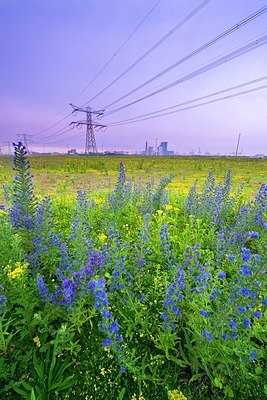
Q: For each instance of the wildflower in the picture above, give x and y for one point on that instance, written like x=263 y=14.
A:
x=252 y=356
x=114 y=327
x=225 y=336
x=102 y=237
x=257 y=314
x=246 y=255
x=221 y=274
x=43 y=290
x=254 y=235
x=234 y=335
x=241 y=309
x=232 y=324
x=205 y=314
x=168 y=207
x=159 y=212
x=106 y=314
x=207 y=335
x=18 y=271
x=3 y=300
x=245 y=292
x=175 y=395
x=245 y=270
x=107 y=342
x=246 y=323
x=23 y=208
x=37 y=341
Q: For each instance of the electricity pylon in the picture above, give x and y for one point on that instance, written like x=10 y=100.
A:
x=26 y=140
x=90 y=142
x=8 y=144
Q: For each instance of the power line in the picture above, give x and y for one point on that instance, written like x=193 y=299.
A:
x=165 y=37
x=52 y=126
x=195 y=52
x=167 y=81
x=197 y=105
x=118 y=50
x=101 y=70
x=222 y=60
x=191 y=101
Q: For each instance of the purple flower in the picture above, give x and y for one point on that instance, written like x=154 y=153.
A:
x=207 y=335
x=257 y=314
x=246 y=255
x=254 y=234
x=106 y=314
x=225 y=336
x=232 y=324
x=107 y=342
x=3 y=300
x=114 y=327
x=205 y=314
x=45 y=295
x=245 y=270
x=252 y=356
x=234 y=335
x=245 y=292
x=246 y=323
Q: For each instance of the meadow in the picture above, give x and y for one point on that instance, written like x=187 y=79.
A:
x=133 y=277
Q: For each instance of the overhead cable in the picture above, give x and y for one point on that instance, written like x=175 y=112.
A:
x=143 y=56
x=222 y=60
x=100 y=71
x=191 y=101
x=118 y=50
x=195 y=52
x=196 y=105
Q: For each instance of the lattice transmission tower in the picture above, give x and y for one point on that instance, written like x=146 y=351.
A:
x=26 y=139
x=90 y=142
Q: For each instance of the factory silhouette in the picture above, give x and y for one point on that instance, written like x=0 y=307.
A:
x=161 y=150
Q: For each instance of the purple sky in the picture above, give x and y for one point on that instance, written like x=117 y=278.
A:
x=51 y=50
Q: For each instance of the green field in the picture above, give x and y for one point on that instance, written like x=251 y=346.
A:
x=66 y=174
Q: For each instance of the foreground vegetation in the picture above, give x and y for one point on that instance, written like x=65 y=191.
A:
x=137 y=293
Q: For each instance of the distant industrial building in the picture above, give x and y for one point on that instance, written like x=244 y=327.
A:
x=72 y=152
x=161 y=150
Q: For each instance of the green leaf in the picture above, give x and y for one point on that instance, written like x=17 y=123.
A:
x=121 y=394
x=33 y=395
x=218 y=383
x=22 y=392
x=258 y=370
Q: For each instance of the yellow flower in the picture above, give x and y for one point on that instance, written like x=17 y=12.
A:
x=102 y=237
x=103 y=371
x=159 y=212
x=139 y=398
x=175 y=395
x=169 y=207
x=18 y=271
x=37 y=341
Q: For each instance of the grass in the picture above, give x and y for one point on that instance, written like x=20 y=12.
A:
x=64 y=175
